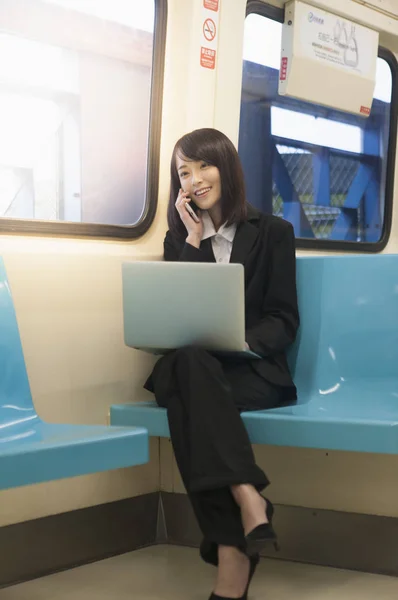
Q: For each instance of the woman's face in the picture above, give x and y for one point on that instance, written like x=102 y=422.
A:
x=200 y=180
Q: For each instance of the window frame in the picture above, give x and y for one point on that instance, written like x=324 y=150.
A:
x=102 y=230
x=277 y=14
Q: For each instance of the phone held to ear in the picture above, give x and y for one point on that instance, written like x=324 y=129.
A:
x=192 y=212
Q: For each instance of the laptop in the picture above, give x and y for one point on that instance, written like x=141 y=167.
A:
x=169 y=305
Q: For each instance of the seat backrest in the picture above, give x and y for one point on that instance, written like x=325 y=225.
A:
x=15 y=397
x=349 y=322
x=349 y=330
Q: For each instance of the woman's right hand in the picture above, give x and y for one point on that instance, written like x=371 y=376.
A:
x=194 y=230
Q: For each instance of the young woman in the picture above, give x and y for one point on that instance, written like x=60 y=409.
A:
x=204 y=395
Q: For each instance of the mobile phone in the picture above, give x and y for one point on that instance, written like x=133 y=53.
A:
x=192 y=212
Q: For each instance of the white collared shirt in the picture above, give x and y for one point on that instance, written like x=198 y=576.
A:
x=221 y=240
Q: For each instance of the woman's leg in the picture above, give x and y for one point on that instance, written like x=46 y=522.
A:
x=213 y=452
x=250 y=392
x=210 y=441
x=203 y=398
x=232 y=573
x=212 y=449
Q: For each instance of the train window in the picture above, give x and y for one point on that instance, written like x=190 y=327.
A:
x=328 y=172
x=80 y=93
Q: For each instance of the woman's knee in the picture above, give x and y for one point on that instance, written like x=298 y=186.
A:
x=191 y=361
x=190 y=352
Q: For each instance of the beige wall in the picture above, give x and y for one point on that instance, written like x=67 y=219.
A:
x=341 y=481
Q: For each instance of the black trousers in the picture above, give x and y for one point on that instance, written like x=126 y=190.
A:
x=204 y=397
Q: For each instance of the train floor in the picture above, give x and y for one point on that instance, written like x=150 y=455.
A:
x=176 y=573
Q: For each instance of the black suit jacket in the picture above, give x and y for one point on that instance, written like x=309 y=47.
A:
x=265 y=245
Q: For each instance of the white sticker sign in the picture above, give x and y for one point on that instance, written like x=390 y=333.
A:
x=327 y=59
x=332 y=39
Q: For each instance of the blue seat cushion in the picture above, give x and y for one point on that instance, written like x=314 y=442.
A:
x=34 y=451
x=360 y=428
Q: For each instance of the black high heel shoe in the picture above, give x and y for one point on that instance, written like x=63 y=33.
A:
x=262 y=535
x=254 y=560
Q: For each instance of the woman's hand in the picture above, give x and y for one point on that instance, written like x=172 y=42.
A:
x=194 y=230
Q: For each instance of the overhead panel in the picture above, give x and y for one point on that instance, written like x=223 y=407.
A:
x=327 y=59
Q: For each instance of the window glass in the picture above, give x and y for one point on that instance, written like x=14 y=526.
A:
x=322 y=169
x=75 y=92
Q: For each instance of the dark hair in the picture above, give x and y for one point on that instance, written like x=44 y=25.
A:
x=213 y=147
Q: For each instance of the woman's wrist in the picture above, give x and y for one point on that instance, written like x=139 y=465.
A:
x=194 y=239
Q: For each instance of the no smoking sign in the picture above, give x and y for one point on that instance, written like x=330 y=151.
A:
x=209 y=30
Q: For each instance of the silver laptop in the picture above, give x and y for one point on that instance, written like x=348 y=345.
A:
x=168 y=305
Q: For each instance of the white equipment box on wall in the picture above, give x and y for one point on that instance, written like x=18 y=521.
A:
x=327 y=60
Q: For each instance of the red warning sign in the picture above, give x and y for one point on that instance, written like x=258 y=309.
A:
x=208 y=58
x=209 y=30
x=211 y=4
x=365 y=110
x=283 y=73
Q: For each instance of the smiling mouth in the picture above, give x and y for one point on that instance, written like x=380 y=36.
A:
x=203 y=192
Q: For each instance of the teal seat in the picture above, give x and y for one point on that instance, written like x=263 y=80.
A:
x=344 y=363
x=32 y=451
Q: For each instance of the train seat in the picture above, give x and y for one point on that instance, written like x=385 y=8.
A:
x=344 y=363
x=32 y=451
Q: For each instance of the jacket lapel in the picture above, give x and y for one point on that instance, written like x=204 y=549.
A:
x=207 y=249
x=245 y=236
